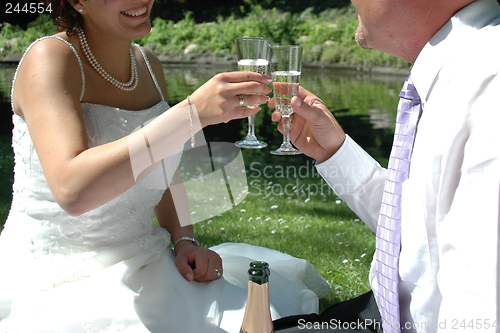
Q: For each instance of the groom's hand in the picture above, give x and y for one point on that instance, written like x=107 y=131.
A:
x=314 y=130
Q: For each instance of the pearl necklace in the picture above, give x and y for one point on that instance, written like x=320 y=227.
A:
x=127 y=86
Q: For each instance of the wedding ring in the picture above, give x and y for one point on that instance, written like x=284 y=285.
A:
x=218 y=270
x=242 y=101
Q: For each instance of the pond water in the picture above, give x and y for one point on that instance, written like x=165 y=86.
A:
x=365 y=106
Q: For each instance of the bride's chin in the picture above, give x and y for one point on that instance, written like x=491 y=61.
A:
x=142 y=31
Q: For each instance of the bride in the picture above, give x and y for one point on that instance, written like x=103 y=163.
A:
x=80 y=251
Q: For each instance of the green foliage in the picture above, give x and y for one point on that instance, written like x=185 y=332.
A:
x=14 y=40
x=327 y=37
x=175 y=9
x=272 y=3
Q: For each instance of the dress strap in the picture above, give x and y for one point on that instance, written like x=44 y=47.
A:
x=26 y=52
x=151 y=71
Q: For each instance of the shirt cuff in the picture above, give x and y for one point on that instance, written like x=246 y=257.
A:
x=348 y=169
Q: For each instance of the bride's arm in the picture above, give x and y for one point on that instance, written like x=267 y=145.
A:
x=172 y=213
x=47 y=94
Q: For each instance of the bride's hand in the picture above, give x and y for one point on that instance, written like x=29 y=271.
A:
x=218 y=99
x=198 y=263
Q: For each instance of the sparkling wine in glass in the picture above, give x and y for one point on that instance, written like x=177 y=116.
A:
x=286 y=66
x=253 y=56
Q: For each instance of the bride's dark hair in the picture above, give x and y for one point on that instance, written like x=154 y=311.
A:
x=64 y=15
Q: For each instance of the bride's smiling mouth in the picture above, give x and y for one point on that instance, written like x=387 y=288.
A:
x=136 y=11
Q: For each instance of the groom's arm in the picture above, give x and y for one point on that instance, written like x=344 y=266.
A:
x=357 y=179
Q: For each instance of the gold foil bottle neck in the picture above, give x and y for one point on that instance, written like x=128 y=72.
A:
x=257 y=317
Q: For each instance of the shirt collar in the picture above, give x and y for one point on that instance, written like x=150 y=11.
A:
x=445 y=42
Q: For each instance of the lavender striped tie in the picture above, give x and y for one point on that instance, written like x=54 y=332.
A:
x=389 y=224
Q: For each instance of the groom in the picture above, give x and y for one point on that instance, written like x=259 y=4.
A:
x=436 y=209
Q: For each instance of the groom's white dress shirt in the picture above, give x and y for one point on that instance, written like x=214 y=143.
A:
x=450 y=265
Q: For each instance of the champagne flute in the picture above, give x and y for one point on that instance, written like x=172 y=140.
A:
x=286 y=66
x=253 y=56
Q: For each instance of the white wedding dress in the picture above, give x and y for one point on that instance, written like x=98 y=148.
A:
x=111 y=269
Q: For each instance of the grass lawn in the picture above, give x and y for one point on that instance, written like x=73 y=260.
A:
x=300 y=216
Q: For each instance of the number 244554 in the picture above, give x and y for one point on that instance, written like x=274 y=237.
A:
x=32 y=8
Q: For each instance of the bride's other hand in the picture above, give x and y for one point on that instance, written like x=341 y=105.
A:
x=218 y=100
x=198 y=263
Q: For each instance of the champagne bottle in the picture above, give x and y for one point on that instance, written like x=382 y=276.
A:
x=257 y=318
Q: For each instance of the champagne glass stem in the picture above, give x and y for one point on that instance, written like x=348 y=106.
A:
x=251 y=128
x=251 y=140
x=286 y=126
x=286 y=147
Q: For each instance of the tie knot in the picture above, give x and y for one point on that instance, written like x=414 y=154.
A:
x=409 y=91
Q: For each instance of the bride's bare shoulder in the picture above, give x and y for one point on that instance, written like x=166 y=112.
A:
x=49 y=64
x=57 y=47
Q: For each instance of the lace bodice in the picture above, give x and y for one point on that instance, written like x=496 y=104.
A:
x=128 y=216
x=41 y=225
